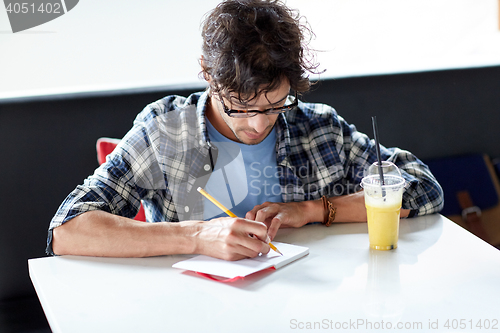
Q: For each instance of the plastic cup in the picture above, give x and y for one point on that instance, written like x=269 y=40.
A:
x=383 y=205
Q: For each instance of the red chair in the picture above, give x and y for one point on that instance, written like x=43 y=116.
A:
x=104 y=147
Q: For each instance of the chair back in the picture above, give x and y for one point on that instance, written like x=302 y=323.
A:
x=104 y=147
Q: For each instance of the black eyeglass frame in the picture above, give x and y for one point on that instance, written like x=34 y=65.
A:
x=252 y=113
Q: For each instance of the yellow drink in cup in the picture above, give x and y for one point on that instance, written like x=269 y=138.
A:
x=383 y=206
x=383 y=226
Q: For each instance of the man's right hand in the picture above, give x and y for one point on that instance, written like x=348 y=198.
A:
x=231 y=238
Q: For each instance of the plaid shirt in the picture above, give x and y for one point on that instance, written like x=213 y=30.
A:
x=167 y=155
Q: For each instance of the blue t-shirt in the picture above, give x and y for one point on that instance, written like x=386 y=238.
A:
x=244 y=175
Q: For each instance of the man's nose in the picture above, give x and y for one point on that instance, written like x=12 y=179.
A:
x=259 y=122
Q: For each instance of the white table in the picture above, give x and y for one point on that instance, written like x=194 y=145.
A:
x=440 y=274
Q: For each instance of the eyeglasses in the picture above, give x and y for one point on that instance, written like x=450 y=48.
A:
x=253 y=113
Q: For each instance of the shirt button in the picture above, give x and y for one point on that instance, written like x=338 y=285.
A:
x=186 y=209
x=206 y=167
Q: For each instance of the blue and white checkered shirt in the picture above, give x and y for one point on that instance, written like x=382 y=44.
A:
x=167 y=155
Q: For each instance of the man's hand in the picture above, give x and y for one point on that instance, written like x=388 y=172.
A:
x=231 y=238
x=350 y=208
x=286 y=215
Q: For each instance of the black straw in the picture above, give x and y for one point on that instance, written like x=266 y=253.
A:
x=377 y=147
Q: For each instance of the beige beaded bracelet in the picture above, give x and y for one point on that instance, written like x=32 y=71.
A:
x=330 y=211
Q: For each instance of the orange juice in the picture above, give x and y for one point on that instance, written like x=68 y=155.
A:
x=383 y=206
x=383 y=225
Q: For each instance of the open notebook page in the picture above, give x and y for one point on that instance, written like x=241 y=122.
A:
x=244 y=267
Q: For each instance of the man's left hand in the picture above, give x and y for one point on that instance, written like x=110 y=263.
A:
x=286 y=215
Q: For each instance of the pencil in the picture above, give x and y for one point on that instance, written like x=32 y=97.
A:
x=228 y=212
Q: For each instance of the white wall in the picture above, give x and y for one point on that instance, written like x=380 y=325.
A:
x=389 y=36
x=117 y=44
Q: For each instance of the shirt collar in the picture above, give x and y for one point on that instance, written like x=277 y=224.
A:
x=201 y=108
x=283 y=135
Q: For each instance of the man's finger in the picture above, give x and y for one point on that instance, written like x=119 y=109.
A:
x=252 y=246
x=275 y=225
x=266 y=214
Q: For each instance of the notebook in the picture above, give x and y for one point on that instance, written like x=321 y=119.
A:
x=232 y=270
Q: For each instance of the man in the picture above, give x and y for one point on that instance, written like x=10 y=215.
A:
x=248 y=140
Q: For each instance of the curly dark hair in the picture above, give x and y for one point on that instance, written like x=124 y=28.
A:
x=250 y=46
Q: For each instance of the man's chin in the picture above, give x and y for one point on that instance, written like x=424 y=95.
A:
x=251 y=140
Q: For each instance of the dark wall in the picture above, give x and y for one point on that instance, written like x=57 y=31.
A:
x=432 y=114
x=48 y=145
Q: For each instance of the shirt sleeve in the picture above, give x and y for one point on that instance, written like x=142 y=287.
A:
x=422 y=195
